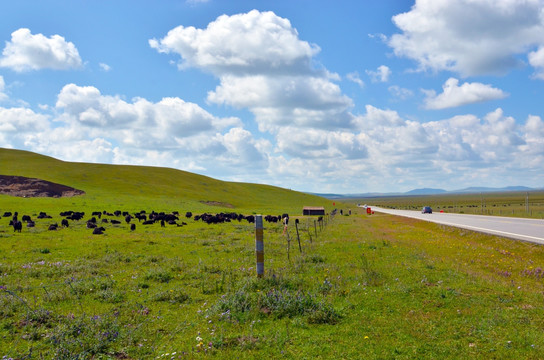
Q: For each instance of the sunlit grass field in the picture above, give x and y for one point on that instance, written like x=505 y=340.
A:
x=364 y=286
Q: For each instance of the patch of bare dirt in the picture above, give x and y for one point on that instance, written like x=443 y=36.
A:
x=28 y=187
x=218 y=203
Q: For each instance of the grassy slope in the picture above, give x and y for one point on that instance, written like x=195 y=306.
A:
x=136 y=187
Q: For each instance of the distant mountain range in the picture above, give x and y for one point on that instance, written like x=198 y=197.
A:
x=429 y=191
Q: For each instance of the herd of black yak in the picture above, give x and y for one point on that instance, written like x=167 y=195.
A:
x=99 y=219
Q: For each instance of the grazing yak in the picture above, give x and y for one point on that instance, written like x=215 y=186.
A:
x=271 y=218
x=250 y=219
x=147 y=218
x=73 y=215
x=223 y=218
x=98 y=230
x=140 y=216
x=17 y=226
x=76 y=216
x=43 y=215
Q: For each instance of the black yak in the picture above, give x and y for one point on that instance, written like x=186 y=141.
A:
x=17 y=226
x=98 y=231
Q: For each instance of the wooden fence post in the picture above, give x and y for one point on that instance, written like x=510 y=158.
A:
x=298 y=237
x=259 y=245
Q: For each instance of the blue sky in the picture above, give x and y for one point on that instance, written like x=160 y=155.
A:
x=320 y=96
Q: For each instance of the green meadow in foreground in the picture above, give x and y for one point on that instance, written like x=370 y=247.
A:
x=364 y=286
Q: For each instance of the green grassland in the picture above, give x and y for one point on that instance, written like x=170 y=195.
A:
x=364 y=286
x=133 y=188
x=513 y=204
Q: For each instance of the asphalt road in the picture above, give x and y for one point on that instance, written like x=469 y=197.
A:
x=531 y=230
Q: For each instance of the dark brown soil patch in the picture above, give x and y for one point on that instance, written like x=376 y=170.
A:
x=218 y=203
x=28 y=187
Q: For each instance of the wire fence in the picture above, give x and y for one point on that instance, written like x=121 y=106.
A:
x=67 y=302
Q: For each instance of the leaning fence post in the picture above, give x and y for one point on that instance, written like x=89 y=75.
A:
x=315 y=228
x=259 y=245
x=298 y=236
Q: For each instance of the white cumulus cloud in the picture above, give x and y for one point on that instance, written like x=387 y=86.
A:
x=246 y=43
x=305 y=101
x=105 y=67
x=27 y=52
x=321 y=144
x=262 y=65
x=536 y=59
x=400 y=93
x=454 y=95
x=470 y=37
x=3 y=95
x=137 y=123
x=381 y=74
x=93 y=127
x=354 y=77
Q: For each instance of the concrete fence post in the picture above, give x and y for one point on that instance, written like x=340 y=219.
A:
x=259 y=245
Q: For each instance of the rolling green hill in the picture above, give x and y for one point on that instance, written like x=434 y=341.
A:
x=135 y=187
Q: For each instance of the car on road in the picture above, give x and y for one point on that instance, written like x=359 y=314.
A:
x=426 y=210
